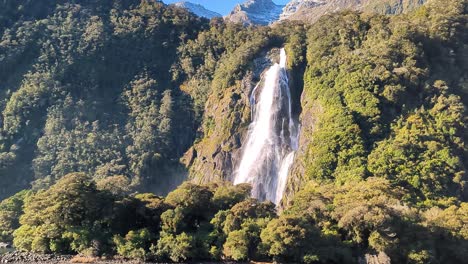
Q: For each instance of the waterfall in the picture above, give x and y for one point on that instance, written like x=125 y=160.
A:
x=272 y=140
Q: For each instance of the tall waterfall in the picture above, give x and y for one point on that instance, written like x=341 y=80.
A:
x=268 y=152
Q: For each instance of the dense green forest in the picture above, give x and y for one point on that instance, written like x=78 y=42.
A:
x=90 y=87
x=106 y=105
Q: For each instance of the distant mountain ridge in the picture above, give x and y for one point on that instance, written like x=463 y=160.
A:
x=259 y=12
x=311 y=10
x=197 y=9
x=295 y=5
x=265 y=12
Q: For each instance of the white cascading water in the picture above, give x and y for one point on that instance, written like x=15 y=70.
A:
x=268 y=152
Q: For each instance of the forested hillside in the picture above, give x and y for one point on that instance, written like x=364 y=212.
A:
x=108 y=104
x=91 y=87
x=386 y=97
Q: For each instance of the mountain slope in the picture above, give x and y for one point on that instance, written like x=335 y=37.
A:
x=85 y=87
x=295 y=5
x=258 y=12
x=197 y=9
x=264 y=12
x=311 y=10
x=100 y=100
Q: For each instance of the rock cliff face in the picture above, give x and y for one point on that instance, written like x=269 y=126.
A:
x=227 y=118
x=296 y=5
x=197 y=9
x=311 y=111
x=228 y=114
x=311 y=10
x=258 y=12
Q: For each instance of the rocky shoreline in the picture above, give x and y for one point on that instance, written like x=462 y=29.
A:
x=23 y=257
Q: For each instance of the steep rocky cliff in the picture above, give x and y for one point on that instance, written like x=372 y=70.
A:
x=197 y=9
x=259 y=12
x=227 y=117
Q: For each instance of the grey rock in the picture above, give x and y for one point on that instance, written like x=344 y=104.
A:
x=197 y=9
x=380 y=258
x=5 y=245
x=255 y=12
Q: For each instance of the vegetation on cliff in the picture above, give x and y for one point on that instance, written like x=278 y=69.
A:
x=388 y=97
x=100 y=101
x=88 y=87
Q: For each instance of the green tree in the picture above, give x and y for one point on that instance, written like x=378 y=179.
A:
x=176 y=248
x=243 y=244
x=225 y=197
x=10 y=211
x=135 y=245
x=72 y=204
x=286 y=238
x=424 y=152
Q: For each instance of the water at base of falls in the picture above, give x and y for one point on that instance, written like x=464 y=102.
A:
x=272 y=140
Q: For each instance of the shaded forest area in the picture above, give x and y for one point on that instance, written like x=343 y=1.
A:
x=90 y=87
